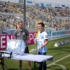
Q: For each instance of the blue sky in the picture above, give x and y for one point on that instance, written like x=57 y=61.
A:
x=67 y=2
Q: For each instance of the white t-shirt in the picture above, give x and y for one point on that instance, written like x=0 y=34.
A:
x=40 y=41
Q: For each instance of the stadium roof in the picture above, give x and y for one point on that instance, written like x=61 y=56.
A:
x=48 y=1
x=44 y=3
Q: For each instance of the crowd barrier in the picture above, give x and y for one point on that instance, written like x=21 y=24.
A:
x=52 y=35
x=57 y=34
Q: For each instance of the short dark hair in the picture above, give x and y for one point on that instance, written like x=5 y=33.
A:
x=42 y=24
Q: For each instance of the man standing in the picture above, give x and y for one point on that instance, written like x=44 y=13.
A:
x=22 y=34
x=42 y=41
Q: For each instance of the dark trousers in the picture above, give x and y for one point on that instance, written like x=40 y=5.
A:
x=42 y=65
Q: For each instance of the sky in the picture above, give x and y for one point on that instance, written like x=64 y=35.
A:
x=66 y=2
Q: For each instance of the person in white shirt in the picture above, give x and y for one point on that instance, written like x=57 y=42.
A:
x=42 y=41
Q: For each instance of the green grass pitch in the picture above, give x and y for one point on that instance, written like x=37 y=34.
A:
x=57 y=52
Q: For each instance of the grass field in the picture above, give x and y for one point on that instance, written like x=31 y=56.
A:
x=61 y=57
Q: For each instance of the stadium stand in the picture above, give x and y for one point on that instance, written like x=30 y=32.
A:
x=11 y=7
x=9 y=13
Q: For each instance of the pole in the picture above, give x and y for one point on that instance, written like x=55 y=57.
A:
x=24 y=15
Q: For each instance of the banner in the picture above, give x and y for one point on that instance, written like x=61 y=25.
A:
x=3 y=41
x=53 y=34
x=58 y=44
x=5 y=37
x=32 y=35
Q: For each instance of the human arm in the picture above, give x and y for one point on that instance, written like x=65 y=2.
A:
x=35 y=40
x=15 y=34
x=45 y=43
x=27 y=35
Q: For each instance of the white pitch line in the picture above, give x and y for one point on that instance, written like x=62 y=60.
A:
x=58 y=60
x=64 y=68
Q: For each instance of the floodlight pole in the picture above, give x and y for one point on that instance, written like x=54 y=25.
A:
x=24 y=13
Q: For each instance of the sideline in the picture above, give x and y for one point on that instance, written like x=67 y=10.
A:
x=54 y=63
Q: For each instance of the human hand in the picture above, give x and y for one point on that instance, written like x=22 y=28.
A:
x=39 y=48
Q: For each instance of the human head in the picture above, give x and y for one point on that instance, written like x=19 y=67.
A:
x=41 y=26
x=20 y=24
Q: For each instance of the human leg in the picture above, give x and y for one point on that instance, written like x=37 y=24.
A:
x=29 y=63
x=20 y=65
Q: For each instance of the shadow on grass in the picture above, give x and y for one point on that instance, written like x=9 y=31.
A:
x=24 y=69
x=12 y=69
x=49 y=68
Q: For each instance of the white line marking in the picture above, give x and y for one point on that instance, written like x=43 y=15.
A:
x=58 y=60
x=63 y=67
